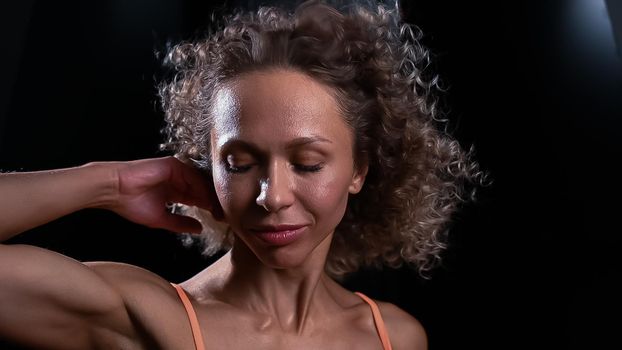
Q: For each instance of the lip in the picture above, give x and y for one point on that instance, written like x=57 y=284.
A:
x=279 y=235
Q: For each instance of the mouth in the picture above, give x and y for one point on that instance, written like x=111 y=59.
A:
x=279 y=235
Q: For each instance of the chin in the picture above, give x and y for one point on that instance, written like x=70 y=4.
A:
x=281 y=258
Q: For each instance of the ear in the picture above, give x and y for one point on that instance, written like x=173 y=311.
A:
x=358 y=178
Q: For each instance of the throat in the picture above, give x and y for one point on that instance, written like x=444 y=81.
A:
x=285 y=300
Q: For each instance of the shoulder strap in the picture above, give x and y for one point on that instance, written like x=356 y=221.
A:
x=380 y=327
x=192 y=316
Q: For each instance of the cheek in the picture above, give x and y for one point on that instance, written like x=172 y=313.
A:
x=327 y=199
x=233 y=192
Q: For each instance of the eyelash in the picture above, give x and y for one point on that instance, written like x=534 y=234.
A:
x=309 y=168
x=236 y=169
x=242 y=169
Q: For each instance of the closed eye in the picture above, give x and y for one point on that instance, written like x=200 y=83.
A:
x=309 y=168
x=233 y=165
x=237 y=169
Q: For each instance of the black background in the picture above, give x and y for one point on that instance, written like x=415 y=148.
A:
x=535 y=86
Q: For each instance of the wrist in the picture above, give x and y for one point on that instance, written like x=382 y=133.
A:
x=103 y=181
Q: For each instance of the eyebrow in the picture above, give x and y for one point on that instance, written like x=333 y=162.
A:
x=301 y=141
x=297 y=142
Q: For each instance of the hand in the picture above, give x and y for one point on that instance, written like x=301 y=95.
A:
x=145 y=187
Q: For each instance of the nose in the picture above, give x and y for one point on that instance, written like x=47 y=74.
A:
x=275 y=188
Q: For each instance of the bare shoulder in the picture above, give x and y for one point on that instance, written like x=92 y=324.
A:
x=151 y=301
x=135 y=284
x=124 y=275
x=405 y=331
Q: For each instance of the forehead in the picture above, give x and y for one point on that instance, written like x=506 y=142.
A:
x=273 y=106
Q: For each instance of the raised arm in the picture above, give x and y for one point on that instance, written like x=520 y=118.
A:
x=135 y=190
x=48 y=300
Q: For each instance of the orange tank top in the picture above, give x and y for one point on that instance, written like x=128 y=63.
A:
x=200 y=345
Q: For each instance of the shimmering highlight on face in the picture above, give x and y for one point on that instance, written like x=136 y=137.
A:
x=282 y=159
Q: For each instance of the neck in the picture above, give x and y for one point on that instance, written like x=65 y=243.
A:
x=291 y=297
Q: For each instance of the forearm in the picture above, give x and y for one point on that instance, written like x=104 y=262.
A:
x=31 y=199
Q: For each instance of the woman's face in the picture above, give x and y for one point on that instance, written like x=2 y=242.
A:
x=282 y=164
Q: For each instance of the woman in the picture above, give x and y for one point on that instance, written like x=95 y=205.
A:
x=306 y=144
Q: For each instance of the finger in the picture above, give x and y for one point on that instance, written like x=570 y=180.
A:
x=181 y=198
x=193 y=187
x=203 y=193
x=180 y=224
x=189 y=182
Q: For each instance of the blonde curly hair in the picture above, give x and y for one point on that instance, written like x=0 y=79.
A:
x=376 y=66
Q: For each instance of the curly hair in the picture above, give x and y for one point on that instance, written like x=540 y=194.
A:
x=376 y=66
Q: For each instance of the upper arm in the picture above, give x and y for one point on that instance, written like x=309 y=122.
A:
x=405 y=331
x=51 y=301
